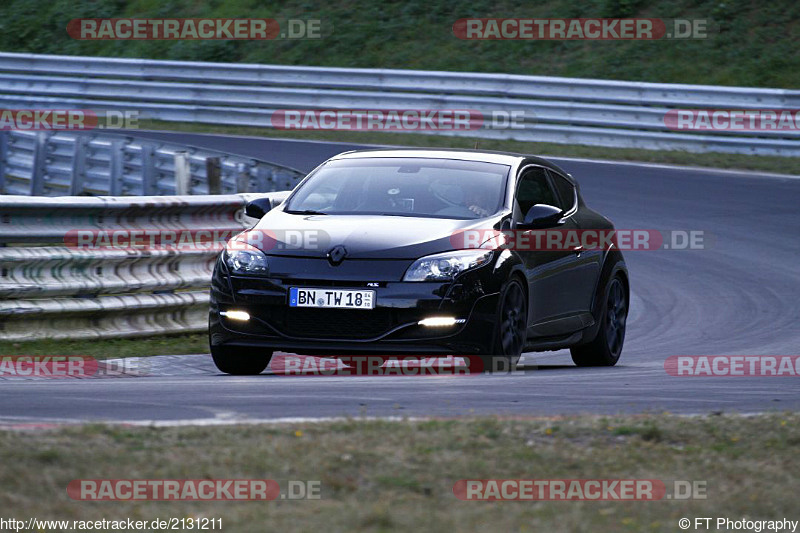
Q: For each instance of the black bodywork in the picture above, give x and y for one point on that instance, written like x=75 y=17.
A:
x=562 y=286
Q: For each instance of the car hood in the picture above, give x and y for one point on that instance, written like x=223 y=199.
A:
x=363 y=236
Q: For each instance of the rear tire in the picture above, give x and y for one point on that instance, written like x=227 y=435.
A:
x=240 y=361
x=606 y=347
x=511 y=328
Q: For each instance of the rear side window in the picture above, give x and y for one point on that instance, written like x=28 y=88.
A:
x=566 y=191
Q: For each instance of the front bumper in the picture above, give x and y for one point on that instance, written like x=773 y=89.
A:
x=390 y=328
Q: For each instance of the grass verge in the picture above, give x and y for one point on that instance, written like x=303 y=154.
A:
x=780 y=165
x=747 y=43
x=382 y=476
x=111 y=348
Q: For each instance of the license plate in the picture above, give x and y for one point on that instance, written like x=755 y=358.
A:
x=335 y=298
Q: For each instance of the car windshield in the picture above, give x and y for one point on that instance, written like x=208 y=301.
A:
x=413 y=187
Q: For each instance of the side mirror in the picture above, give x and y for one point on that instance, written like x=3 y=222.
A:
x=541 y=216
x=258 y=208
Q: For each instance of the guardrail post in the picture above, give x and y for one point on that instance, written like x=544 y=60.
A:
x=78 y=165
x=39 y=164
x=148 y=170
x=243 y=178
x=116 y=166
x=4 y=135
x=214 y=174
x=283 y=180
x=264 y=178
x=183 y=174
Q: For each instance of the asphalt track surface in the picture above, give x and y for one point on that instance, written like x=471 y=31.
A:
x=739 y=296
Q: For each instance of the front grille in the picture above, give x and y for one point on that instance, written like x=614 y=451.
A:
x=331 y=323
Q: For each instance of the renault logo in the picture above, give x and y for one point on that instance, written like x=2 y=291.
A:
x=336 y=255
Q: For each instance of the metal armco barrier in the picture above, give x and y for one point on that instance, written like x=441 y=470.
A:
x=48 y=163
x=51 y=288
x=558 y=110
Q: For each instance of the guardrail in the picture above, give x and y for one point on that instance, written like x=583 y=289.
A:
x=47 y=163
x=566 y=110
x=50 y=287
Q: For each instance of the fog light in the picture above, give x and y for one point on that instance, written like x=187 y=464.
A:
x=440 y=321
x=236 y=315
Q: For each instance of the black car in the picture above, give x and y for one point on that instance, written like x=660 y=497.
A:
x=404 y=252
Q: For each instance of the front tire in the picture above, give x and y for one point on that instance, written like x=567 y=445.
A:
x=511 y=328
x=240 y=361
x=606 y=347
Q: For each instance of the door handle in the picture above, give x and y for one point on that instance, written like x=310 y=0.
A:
x=578 y=250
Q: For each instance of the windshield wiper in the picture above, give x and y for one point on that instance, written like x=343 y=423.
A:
x=305 y=212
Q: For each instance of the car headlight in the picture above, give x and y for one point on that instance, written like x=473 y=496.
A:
x=447 y=265
x=243 y=258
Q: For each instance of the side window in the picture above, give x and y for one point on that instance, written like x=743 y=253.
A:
x=566 y=191
x=533 y=188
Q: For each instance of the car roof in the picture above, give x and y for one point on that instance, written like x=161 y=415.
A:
x=487 y=156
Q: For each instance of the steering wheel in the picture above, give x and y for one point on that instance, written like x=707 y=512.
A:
x=447 y=201
x=324 y=192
